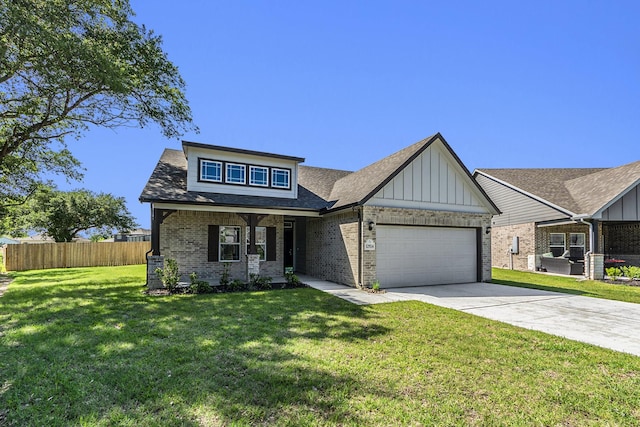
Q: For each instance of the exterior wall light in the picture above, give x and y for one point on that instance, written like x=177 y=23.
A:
x=487 y=230
x=371 y=224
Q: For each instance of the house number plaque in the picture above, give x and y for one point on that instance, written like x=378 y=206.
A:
x=369 y=245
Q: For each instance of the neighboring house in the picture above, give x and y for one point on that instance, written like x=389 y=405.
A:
x=36 y=238
x=594 y=214
x=416 y=217
x=137 y=235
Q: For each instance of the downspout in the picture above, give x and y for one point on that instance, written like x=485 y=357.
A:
x=587 y=256
x=359 y=285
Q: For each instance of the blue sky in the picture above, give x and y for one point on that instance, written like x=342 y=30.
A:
x=345 y=83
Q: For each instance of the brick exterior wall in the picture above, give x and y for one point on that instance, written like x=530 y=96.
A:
x=501 y=242
x=332 y=248
x=184 y=237
x=533 y=241
x=622 y=241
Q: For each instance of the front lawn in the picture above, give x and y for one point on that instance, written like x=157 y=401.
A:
x=87 y=347
x=571 y=285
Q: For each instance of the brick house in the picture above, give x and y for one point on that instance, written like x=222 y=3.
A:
x=590 y=213
x=416 y=217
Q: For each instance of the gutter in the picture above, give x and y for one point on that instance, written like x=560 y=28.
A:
x=587 y=257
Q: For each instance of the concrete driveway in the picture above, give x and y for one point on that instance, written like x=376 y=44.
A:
x=610 y=324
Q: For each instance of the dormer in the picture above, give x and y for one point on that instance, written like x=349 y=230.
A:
x=216 y=169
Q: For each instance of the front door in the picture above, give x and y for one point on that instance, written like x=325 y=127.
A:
x=288 y=246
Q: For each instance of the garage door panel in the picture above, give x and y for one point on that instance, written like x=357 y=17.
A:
x=416 y=256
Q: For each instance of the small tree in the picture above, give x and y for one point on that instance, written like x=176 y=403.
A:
x=63 y=215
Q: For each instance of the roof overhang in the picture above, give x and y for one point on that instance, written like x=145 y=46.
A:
x=525 y=193
x=235 y=209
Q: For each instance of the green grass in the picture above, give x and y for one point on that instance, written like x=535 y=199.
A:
x=571 y=285
x=87 y=347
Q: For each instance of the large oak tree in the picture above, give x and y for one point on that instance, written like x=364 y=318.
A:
x=64 y=215
x=66 y=65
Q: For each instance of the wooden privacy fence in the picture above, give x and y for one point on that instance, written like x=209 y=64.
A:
x=31 y=256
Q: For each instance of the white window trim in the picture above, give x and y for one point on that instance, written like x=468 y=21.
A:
x=220 y=244
x=263 y=168
x=244 y=176
x=202 y=178
x=275 y=184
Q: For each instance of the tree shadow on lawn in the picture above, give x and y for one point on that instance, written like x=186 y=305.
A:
x=112 y=354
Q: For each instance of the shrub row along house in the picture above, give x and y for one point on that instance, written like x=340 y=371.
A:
x=416 y=217
x=588 y=215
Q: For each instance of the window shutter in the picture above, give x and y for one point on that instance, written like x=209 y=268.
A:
x=272 y=244
x=213 y=238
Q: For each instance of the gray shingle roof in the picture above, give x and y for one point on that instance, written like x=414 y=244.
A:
x=359 y=186
x=168 y=184
x=318 y=188
x=577 y=190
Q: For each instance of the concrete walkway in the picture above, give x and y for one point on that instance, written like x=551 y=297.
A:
x=609 y=324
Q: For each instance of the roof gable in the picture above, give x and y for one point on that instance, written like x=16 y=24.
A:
x=435 y=180
x=599 y=190
x=577 y=191
x=367 y=183
x=546 y=185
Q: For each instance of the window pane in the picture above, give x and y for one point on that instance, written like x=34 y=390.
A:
x=577 y=239
x=211 y=171
x=229 y=234
x=235 y=173
x=258 y=176
x=229 y=252
x=280 y=178
x=556 y=239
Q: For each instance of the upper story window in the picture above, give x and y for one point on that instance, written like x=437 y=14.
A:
x=245 y=174
x=236 y=174
x=259 y=175
x=210 y=170
x=280 y=178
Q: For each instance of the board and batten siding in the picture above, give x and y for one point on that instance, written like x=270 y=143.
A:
x=433 y=180
x=517 y=208
x=627 y=208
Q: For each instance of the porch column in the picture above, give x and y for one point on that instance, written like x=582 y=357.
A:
x=253 y=257
x=596 y=266
x=156 y=260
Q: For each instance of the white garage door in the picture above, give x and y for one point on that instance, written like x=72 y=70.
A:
x=417 y=256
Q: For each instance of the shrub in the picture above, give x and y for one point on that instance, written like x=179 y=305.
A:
x=236 y=285
x=169 y=275
x=376 y=285
x=291 y=278
x=199 y=286
x=613 y=272
x=631 y=272
x=225 y=278
x=257 y=281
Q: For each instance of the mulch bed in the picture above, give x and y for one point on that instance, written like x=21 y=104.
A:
x=221 y=289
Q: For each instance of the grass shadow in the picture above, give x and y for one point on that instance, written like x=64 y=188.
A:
x=102 y=352
x=538 y=286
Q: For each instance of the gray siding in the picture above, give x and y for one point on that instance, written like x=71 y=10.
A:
x=516 y=208
x=627 y=208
